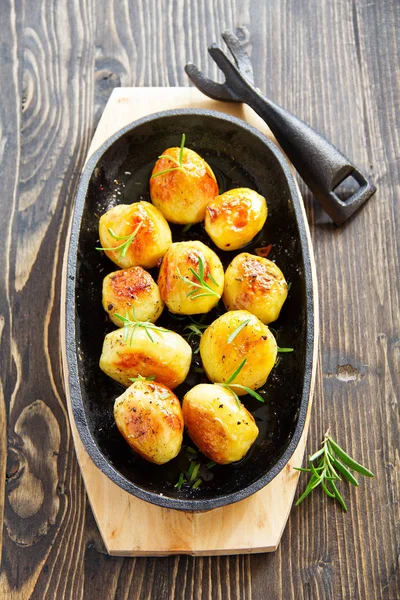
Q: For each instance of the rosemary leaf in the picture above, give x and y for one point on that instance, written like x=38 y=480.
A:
x=249 y=391
x=237 y=330
x=345 y=472
x=236 y=373
x=316 y=454
x=338 y=496
x=140 y=378
x=347 y=460
x=180 y=481
x=195 y=471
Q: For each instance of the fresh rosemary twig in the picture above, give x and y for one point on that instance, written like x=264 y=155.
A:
x=229 y=385
x=201 y=283
x=178 y=163
x=332 y=461
x=128 y=239
x=132 y=323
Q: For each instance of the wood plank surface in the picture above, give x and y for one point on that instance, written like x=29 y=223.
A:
x=336 y=65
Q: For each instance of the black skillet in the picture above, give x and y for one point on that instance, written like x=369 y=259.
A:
x=119 y=173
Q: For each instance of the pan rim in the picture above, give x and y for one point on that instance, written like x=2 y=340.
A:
x=77 y=403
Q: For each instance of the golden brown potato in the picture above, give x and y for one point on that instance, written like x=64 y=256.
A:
x=183 y=194
x=255 y=284
x=235 y=217
x=129 y=289
x=130 y=352
x=140 y=233
x=233 y=337
x=180 y=288
x=149 y=417
x=221 y=429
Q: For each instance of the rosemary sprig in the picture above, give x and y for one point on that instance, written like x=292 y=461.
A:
x=194 y=330
x=199 y=283
x=127 y=240
x=132 y=323
x=332 y=461
x=190 y=478
x=229 y=385
x=178 y=163
x=141 y=378
x=238 y=330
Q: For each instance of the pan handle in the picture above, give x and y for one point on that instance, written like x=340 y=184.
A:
x=322 y=166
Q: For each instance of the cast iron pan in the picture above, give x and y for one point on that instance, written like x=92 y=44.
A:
x=119 y=173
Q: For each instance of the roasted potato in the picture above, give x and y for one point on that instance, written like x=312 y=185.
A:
x=221 y=429
x=130 y=352
x=235 y=217
x=131 y=291
x=138 y=231
x=180 y=289
x=255 y=284
x=227 y=342
x=149 y=417
x=182 y=194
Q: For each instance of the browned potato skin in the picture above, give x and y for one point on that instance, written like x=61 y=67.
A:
x=235 y=217
x=167 y=358
x=182 y=256
x=151 y=241
x=222 y=430
x=129 y=289
x=255 y=284
x=182 y=195
x=150 y=421
x=254 y=342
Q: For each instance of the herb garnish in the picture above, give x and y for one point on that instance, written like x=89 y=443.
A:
x=132 y=323
x=237 y=330
x=194 y=330
x=141 y=378
x=208 y=291
x=332 y=459
x=280 y=350
x=190 y=478
x=127 y=240
x=229 y=385
x=178 y=163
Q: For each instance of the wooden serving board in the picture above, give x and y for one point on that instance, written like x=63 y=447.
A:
x=132 y=527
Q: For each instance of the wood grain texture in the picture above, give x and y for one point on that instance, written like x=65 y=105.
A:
x=336 y=65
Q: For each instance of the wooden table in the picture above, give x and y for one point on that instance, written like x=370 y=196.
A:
x=335 y=64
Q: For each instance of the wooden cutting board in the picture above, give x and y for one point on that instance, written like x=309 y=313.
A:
x=132 y=527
